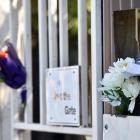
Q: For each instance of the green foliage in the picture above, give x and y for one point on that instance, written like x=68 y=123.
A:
x=72 y=22
x=72 y=17
x=123 y=108
x=34 y=23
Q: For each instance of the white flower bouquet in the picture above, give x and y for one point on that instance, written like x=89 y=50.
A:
x=120 y=88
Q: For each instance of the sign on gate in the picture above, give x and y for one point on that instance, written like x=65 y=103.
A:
x=62 y=92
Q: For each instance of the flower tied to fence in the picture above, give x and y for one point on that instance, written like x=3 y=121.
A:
x=121 y=85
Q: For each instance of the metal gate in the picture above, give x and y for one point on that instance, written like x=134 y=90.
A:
x=49 y=55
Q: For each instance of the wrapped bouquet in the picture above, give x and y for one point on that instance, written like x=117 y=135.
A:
x=121 y=85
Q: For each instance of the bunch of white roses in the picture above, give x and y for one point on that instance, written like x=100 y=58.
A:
x=117 y=88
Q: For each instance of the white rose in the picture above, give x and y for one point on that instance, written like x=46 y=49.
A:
x=121 y=64
x=131 y=87
x=112 y=80
x=129 y=60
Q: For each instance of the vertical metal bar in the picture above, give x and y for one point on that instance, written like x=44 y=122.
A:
x=132 y=4
x=96 y=58
x=52 y=26
x=28 y=57
x=120 y=3
x=13 y=133
x=11 y=32
x=14 y=39
x=11 y=39
x=82 y=57
x=63 y=32
x=12 y=24
x=42 y=22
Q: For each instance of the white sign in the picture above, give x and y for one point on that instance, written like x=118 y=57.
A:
x=62 y=92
